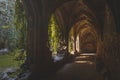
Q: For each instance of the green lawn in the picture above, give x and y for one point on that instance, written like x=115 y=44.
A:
x=8 y=61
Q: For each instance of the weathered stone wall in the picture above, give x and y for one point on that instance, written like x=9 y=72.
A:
x=109 y=21
x=109 y=52
x=38 y=15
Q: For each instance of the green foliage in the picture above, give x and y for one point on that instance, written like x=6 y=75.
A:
x=19 y=55
x=20 y=23
x=6 y=12
x=7 y=30
x=54 y=34
x=8 y=37
x=7 y=61
x=13 y=35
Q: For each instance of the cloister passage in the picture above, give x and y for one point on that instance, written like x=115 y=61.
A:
x=84 y=25
x=83 y=37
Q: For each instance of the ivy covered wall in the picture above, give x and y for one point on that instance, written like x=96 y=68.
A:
x=54 y=35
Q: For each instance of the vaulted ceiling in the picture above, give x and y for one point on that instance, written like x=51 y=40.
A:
x=81 y=13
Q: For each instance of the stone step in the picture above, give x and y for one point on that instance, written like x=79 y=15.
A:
x=85 y=57
x=87 y=54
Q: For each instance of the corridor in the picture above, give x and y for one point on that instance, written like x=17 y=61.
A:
x=83 y=68
x=48 y=28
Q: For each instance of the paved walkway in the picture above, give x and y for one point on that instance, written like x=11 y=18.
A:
x=83 y=68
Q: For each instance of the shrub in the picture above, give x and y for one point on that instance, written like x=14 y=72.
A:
x=20 y=55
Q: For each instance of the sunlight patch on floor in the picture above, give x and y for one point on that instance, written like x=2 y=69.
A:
x=88 y=54
x=83 y=62
x=82 y=56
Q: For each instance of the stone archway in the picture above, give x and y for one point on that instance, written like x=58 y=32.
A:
x=38 y=13
x=88 y=40
x=85 y=34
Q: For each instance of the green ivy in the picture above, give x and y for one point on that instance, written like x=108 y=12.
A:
x=20 y=23
x=54 y=34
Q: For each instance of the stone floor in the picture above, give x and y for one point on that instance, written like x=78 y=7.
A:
x=81 y=69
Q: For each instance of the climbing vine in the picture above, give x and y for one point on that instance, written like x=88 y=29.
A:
x=54 y=34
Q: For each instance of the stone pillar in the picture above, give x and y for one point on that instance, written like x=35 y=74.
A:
x=30 y=33
x=38 y=15
x=75 y=50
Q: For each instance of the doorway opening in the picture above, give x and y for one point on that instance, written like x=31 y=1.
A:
x=13 y=36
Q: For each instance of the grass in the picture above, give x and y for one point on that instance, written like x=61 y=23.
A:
x=8 y=61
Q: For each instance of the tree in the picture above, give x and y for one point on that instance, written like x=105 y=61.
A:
x=8 y=33
x=20 y=23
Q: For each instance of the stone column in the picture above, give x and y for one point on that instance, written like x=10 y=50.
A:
x=39 y=12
